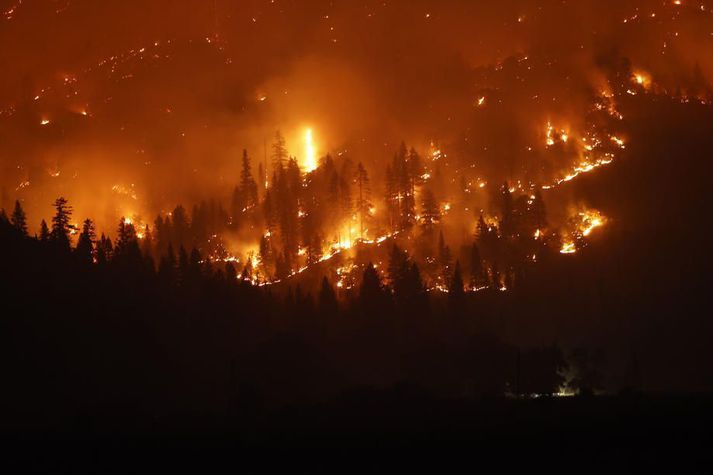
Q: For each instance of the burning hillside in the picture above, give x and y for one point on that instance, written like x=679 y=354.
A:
x=529 y=165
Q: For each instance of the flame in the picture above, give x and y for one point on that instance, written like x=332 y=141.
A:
x=310 y=154
x=618 y=141
x=585 y=222
x=642 y=79
x=568 y=247
x=591 y=220
x=550 y=141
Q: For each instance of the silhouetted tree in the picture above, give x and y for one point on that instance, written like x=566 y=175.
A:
x=283 y=266
x=415 y=170
x=539 y=213
x=478 y=276
x=495 y=278
x=279 y=152
x=408 y=212
x=61 y=226
x=162 y=234
x=371 y=293
x=327 y=298
x=231 y=273
x=247 y=274
x=44 y=232
x=104 y=250
x=266 y=253
x=194 y=266
x=19 y=219
x=247 y=182
x=85 y=243
x=398 y=266
x=363 y=203
x=430 y=213
x=127 y=254
x=506 y=211
x=269 y=212
x=444 y=258
x=345 y=200
x=147 y=242
x=167 y=268
x=5 y=224
x=487 y=239
x=456 y=290
x=179 y=226
x=391 y=199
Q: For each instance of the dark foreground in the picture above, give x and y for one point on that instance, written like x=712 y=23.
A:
x=391 y=431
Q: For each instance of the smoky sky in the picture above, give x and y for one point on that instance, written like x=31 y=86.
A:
x=158 y=98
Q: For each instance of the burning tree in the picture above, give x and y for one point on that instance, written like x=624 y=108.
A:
x=61 y=226
x=18 y=219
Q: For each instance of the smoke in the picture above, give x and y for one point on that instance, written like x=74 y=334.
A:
x=173 y=91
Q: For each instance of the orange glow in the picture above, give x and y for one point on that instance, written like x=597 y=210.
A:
x=310 y=162
x=642 y=79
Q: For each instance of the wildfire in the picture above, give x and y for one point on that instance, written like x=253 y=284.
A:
x=585 y=222
x=125 y=191
x=550 y=130
x=590 y=220
x=345 y=276
x=310 y=154
x=435 y=152
x=642 y=79
x=619 y=142
x=551 y=134
x=568 y=247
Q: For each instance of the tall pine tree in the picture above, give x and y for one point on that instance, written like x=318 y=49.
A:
x=19 y=219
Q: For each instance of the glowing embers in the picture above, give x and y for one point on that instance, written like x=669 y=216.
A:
x=129 y=191
x=605 y=103
x=347 y=276
x=583 y=223
x=553 y=135
x=435 y=153
x=589 y=221
x=9 y=13
x=568 y=247
x=642 y=79
x=23 y=184
x=594 y=154
x=583 y=167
